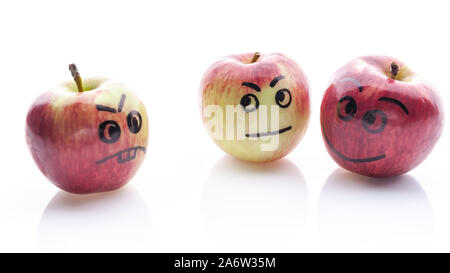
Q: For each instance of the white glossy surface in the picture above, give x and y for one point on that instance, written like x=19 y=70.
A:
x=189 y=196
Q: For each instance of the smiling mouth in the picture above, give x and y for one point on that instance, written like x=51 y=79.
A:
x=124 y=156
x=355 y=160
x=269 y=133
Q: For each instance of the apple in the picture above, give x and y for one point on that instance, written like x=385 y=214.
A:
x=378 y=118
x=88 y=136
x=269 y=95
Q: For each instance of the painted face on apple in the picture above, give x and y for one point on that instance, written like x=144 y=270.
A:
x=250 y=103
x=93 y=141
x=109 y=132
x=377 y=124
x=270 y=97
x=370 y=115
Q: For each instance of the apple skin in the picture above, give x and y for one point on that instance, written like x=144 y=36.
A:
x=378 y=126
x=222 y=85
x=64 y=131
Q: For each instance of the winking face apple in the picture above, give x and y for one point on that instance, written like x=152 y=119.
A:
x=379 y=118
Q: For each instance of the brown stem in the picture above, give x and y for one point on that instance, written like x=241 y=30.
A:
x=76 y=77
x=256 y=57
x=394 y=70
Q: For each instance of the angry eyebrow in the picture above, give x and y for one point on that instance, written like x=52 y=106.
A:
x=110 y=109
x=275 y=80
x=105 y=108
x=121 y=102
x=360 y=87
x=251 y=85
x=394 y=101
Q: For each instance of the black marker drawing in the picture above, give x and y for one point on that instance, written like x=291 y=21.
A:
x=276 y=80
x=356 y=160
x=247 y=100
x=394 y=101
x=283 y=99
x=251 y=85
x=350 y=108
x=124 y=156
x=109 y=132
x=370 y=117
x=134 y=121
x=121 y=102
x=269 y=133
x=360 y=87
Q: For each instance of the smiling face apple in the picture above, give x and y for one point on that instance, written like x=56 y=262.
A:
x=378 y=118
x=268 y=97
x=90 y=141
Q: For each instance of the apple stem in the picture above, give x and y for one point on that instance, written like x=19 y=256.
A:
x=76 y=77
x=394 y=70
x=255 y=57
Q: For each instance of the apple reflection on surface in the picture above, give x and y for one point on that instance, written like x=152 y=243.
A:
x=105 y=221
x=244 y=201
x=368 y=212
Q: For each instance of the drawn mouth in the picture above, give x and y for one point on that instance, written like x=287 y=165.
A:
x=356 y=160
x=124 y=156
x=269 y=133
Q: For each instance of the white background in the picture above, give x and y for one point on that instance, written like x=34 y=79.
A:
x=188 y=195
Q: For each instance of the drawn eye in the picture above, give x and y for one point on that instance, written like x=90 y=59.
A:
x=346 y=108
x=283 y=98
x=249 y=103
x=374 y=121
x=109 y=131
x=134 y=121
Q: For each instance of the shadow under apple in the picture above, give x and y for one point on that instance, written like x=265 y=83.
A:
x=108 y=221
x=363 y=211
x=254 y=202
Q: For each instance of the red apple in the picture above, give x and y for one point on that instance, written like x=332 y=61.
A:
x=378 y=118
x=88 y=139
x=255 y=84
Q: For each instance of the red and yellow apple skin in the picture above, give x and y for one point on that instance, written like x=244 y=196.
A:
x=378 y=125
x=223 y=84
x=87 y=142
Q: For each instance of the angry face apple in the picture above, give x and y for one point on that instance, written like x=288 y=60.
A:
x=89 y=138
x=255 y=106
x=378 y=118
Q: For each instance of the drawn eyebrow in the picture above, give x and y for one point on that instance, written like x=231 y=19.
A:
x=105 y=108
x=275 y=81
x=251 y=85
x=394 y=101
x=121 y=102
x=360 y=87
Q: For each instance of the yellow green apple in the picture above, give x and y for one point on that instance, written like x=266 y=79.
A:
x=255 y=106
